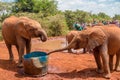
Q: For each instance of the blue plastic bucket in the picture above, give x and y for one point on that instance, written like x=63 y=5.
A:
x=35 y=63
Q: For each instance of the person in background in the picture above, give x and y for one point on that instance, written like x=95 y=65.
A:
x=117 y=23
x=94 y=23
x=84 y=26
x=105 y=22
x=77 y=26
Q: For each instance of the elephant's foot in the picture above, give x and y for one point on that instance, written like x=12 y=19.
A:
x=19 y=65
x=111 y=69
x=117 y=69
x=84 y=50
x=70 y=51
x=107 y=76
x=11 y=59
x=100 y=71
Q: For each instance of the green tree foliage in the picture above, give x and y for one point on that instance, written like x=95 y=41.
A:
x=116 y=17
x=1 y=38
x=23 y=6
x=77 y=16
x=70 y=18
x=3 y=16
x=47 y=7
x=55 y=25
x=5 y=7
x=103 y=16
x=83 y=17
x=5 y=10
x=94 y=16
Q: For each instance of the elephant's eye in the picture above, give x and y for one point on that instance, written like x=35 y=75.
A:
x=32 y=29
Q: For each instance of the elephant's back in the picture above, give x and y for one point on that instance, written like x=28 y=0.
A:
x=8 y=29
x=73 y=32
x=113 y=39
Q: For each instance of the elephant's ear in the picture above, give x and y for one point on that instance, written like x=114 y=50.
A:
x=96 y=38
x=21 y=29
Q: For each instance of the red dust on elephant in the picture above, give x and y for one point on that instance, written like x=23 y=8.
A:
x=19 y=31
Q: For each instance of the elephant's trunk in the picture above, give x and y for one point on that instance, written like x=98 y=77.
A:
x=69 y=46
x=57 y=50
x=43 y=35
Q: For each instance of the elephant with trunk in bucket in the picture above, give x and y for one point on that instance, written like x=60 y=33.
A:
x=104 y=41
x=18 y=31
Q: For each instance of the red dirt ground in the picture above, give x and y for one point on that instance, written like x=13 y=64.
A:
x=61 y=65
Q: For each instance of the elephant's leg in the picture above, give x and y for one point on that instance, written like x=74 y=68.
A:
x=111 y=62
x=28 y=46
x=117 y=65
x=21 y=45
x=17 y=48
x=98 y=60
x=11 y=58
x=70 y=50
x=105 y=60
x=84 y=50
x=106 y=65
x=21 y=53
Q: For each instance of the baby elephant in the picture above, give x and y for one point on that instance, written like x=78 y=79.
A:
x=19 y=31
x=104 y=42
x=69 y=38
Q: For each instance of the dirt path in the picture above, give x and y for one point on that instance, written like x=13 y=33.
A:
x=62 y=66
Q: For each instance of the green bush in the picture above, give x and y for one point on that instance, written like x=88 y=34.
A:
x=3 y=16
x=1 y=38
x=0 y=25
x=55 y=25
